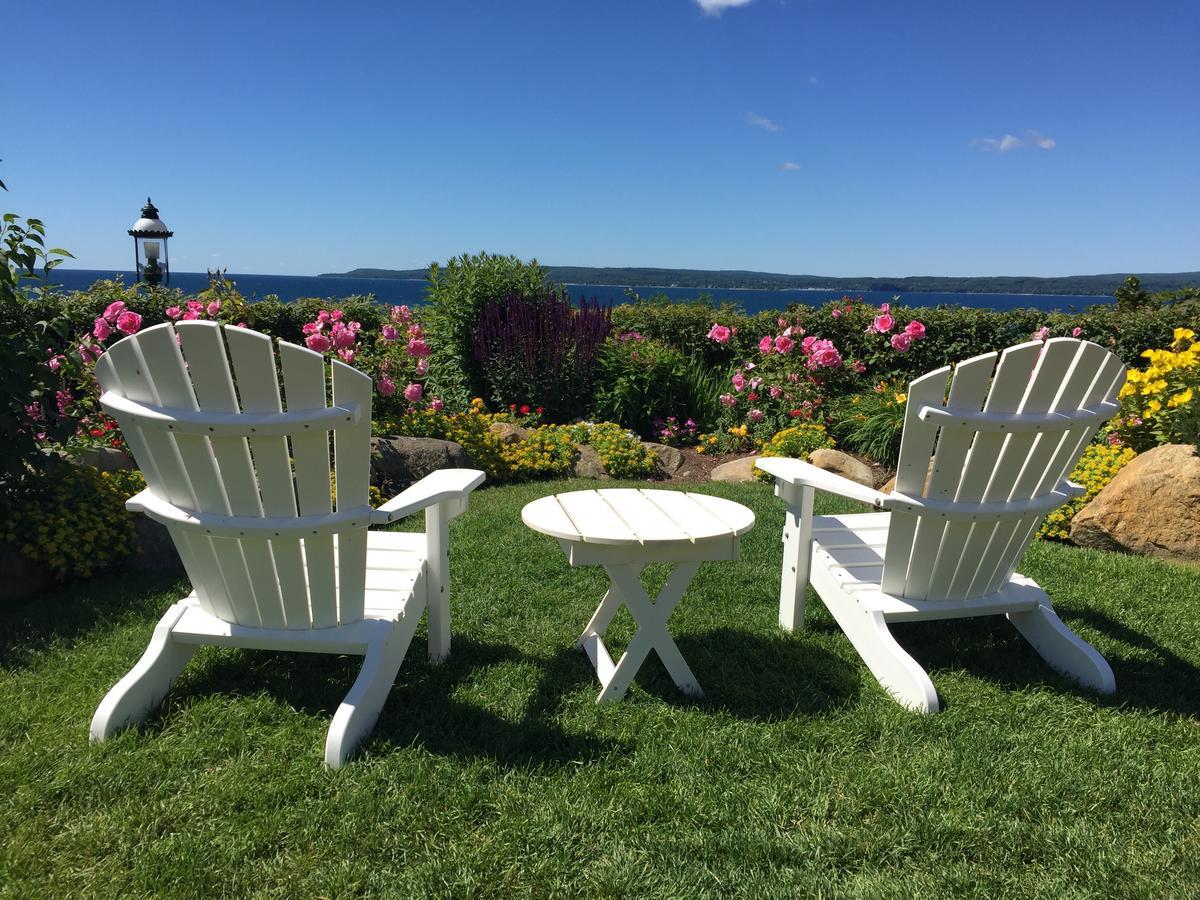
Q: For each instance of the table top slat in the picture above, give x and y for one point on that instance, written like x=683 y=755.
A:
x=547 y=516
x=594 y=519
x=736 y=518
x=647 y=521
x=696 y=520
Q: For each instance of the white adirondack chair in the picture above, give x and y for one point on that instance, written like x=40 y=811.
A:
x=955 y=528
x=238 y=470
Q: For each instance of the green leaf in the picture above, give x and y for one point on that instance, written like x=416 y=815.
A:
x=59 y=251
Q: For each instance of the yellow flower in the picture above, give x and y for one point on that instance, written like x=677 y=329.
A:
x=1153 y=406
x=1181 y=398
x=901 y=398
x=1184 y=334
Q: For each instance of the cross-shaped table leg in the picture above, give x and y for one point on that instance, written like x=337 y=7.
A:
x=651 y=617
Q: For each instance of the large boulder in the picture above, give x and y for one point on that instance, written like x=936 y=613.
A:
x=588 y=463
x=509 y=433
x=736 y=471
x=668 y=460
x=106 y=459
x=1151 y=507
x=397 y=462
x=842 y=464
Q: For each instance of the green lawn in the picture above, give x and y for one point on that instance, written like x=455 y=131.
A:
x=496 y=774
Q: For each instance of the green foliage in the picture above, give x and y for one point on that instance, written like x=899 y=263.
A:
x=1131 y=296
x=71 y=519
x=456 y=294
x=623 y=455
x=1098 y=466
x=796 y=442
x=639 y=380
x=703 y=385
x=871 y=422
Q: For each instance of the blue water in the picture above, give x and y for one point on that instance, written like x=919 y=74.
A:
x=412 y=291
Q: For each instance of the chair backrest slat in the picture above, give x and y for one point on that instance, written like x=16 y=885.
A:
x=212 y=383
x=916 y=446
x=968 y=390
x=258 y=577
x=930 y=557
x=353 y=466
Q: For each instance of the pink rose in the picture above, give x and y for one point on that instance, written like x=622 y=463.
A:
x=1076 y=331
x=739 y=381
x=312 y=328
x=859 y=366
x=883 y=323
x=824 y=355
x=784 y=344
x=129 y=322
x=214 y=308
x=336 y=315
x=323 y=316
x=318 y=342
x=387 y=387
x=417 y=347
x=190 y=315
x=901 y=342
x=413 y=392
x=755 y=415
x=414 y=330
x=1041 y=334
x=806 y=345
x=915 y=330
x=422 y=367
x=766 y=345
x=390 y=333
x=114 y=310
x=241 y=325
x=437 y=404
x=342 y=338
x=101 y=330
x=719 y=333
x=836 y=313
x=401 y=315
x=173 y=312
x=885 y=307
x=728 y=400
x=346 y=355
x=774 y=392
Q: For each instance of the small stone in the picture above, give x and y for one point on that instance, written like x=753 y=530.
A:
x=736 y=471
x=508 y=433
x=668 y=460
x=589 y=464
x=843 y=464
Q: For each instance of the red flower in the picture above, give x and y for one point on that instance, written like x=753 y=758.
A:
x=512 y=407
x=752 y=396
x=540 y=410
x=524 y=409
x=97 y=432
x=794 y=413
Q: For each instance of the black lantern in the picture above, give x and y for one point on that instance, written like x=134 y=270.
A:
x=150 y=235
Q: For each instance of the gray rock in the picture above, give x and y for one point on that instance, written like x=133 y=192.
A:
x=589 y=464
x=508 y=433
x=736 y=471
x=106 y=459
x=668 y=460
x=397 y=462
x=842 y=464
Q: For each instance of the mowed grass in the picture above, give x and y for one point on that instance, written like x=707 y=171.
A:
x=496 y=774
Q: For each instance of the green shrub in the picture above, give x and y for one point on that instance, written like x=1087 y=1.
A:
x=639 y=380
x=796 y=442
x=871 y=422
x=456 y=294
x=1098 y=466
x=623 y=455
x=72 y=519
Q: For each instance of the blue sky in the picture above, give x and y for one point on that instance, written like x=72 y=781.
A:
x=799 y=136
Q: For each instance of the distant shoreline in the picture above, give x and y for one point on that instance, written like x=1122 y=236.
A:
x=712 y=281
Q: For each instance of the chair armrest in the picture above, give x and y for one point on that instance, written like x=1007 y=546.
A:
x=797 y=473
x=437 y=487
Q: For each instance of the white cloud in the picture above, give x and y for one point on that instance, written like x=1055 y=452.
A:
x=1032 y=138
x=790 y=166
x=761 y=122
x=716 y=7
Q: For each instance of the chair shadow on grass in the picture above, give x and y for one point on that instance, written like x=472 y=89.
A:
x=991 y=649
x=65 y=614
x=757 y=677
x=421 y=708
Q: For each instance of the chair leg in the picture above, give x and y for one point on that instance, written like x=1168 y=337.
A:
x=1064 y=650
x=357 y=714
x=899 y=674
x=437 y=531
x=797 y=554
x=143 y=688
